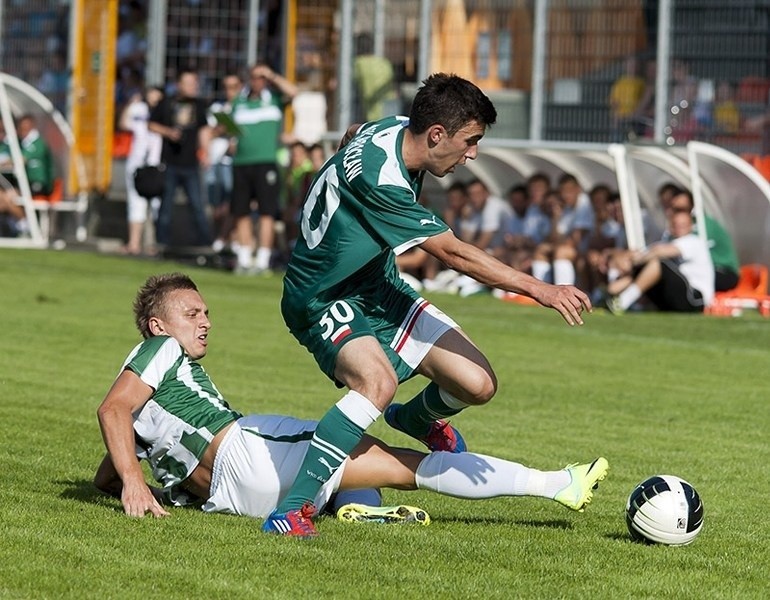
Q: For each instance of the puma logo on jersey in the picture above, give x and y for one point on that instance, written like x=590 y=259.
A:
x=431 y=221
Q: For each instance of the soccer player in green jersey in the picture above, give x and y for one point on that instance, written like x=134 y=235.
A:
x=345 y=302
x=164 y=408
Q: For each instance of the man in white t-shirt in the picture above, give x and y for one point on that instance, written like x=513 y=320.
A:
x=675 y=276
x=487 y=215
x=145 y=150
x=219 y=175
x=483 y=226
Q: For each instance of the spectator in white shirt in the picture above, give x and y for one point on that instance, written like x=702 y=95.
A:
x=675 y=276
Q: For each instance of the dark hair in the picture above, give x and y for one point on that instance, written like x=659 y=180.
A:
x=450 y=101
x=687 y=194
x=151 y=88
x=539 y=176
x=151 y=298
x=477 y=181
x=518 y=188
x=233 y=73
x=568 y=178
x=187 y=70
x=458 y=186
x=669 y=188
x=600 y=188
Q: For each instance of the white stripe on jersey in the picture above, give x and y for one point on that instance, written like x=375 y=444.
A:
x=261 y=114
x=183 y=374
x=390 y=171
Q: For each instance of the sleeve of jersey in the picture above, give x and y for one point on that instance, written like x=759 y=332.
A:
x=398 y=219
x=154 y=358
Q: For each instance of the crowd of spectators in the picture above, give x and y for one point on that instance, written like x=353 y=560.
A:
x=560 y=233
x=551 y=228
x=721 y=111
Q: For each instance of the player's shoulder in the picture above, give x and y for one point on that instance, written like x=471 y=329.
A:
x=157 y=344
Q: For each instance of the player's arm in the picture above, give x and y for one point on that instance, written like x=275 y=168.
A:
x=567 y=300
x=288 y=88
x=128 y=394
x=659 y=250
x=205 y=135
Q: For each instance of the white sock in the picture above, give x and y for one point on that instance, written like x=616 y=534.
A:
x=359 y=409
x=541 y=269
x=563 y=272
x=474 y=476
x=629 y=295
x=244 y=257
x=451 y=401
x=613 y=274
x=263 y=258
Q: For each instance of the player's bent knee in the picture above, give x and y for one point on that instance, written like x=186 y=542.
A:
x=378 y=387
x=480 y=388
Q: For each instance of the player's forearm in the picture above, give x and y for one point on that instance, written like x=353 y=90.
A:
x=659 y=250
x=288 y=88
x=664 y=251
x=486 y=269
x=118 y=434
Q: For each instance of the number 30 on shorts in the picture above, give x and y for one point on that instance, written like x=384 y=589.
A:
x=335 y=322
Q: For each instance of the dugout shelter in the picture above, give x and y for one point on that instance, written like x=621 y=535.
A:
x=70 y=193
x=724 y=185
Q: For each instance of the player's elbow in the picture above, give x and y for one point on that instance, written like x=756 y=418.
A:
x=103 y=413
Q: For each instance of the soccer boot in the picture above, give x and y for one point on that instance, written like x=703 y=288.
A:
x=361 y=513
x=583 y=480
x=297 y=523
x=441 y=436
x=614 y=305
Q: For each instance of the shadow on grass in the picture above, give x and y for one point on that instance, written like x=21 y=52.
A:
x=83 y=490
x=540 y=524
x=625 y=537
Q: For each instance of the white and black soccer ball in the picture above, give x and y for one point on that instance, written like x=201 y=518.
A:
x=664 y=509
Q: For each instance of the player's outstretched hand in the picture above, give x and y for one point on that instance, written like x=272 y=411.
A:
x=567 y=300
x=138 y=501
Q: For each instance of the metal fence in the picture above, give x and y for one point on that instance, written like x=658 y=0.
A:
x=666 y=71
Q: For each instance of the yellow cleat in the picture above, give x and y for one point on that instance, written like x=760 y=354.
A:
x=361 y=513
x=584 y=479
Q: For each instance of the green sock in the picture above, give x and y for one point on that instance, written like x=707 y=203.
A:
x=337 y=433
x=416 y=416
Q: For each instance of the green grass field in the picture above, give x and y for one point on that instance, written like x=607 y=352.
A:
x=685 y=395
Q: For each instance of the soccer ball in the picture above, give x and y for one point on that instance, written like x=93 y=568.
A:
x=664 y=509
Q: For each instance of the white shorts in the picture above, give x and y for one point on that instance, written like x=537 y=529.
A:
x=257 y=463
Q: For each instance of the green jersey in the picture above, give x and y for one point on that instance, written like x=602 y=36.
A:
x=723 y=253
x=260 y=121
x=38 y=163
x=182 y=416
x=360 y=212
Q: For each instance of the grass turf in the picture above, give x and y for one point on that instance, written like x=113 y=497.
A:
x=653 y=393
